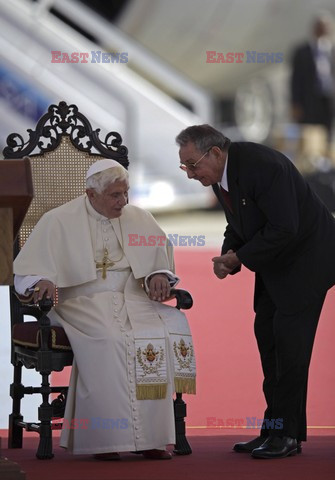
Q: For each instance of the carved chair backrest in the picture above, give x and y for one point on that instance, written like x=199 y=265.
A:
x=61 y=149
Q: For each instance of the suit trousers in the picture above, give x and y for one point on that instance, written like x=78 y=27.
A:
x=285 y=343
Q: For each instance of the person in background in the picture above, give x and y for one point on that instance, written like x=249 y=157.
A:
x=313 y=77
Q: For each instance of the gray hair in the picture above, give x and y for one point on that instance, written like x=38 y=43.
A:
x=204 y=137
x=99 y=181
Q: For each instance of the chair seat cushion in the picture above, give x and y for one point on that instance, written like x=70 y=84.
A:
x=27 y=334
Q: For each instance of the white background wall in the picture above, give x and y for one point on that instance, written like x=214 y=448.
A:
x=30 y=377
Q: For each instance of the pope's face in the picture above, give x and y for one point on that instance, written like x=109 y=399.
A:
x=111 y=201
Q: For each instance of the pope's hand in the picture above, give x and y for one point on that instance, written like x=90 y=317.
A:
x=159 y=287
x=44 y=288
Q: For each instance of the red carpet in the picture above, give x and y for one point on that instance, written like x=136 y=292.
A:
x=229 y=391
x=212 y=458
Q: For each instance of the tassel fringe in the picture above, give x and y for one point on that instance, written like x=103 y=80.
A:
x=185 y=385
x=151 y=392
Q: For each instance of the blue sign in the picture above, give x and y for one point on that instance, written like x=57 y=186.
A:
x=22 y=97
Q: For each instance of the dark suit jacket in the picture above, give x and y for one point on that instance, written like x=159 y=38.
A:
x=279 y=228
x=305 y=90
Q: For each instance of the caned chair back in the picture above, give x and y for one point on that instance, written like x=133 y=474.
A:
x=61 y=149
x=58 y=177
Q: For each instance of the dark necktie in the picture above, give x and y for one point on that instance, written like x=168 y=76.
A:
x=226 y=198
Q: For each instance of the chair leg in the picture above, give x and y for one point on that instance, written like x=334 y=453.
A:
x=15 y=432
x=44 y=451
x=182 y=447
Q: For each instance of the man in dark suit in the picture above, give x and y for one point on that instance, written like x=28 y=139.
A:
x=313 y=77
x=278 y=228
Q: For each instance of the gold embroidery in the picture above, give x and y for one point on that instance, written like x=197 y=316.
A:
x=181 y=350
x=155 y=359
x=150 y=352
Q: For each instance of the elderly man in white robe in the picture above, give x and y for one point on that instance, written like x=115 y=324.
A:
x=131 y=352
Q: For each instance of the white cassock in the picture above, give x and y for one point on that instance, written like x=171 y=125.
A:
x=131 y=353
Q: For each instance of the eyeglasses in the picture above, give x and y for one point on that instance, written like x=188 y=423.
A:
x=192 y=166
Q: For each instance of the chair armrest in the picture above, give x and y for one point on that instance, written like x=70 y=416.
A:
x=46 y=304
x=39 y=312
x=184 y=298
x=32 y=309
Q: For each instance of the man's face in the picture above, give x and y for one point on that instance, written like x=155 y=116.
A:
x=208 y=170
x=322 y=27
x=111 y=201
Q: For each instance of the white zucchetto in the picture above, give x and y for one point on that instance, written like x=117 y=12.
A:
x=102 y=165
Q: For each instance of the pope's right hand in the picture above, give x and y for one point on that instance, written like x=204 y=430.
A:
x=44 y=288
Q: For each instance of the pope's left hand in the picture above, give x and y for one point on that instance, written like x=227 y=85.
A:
x=159 y=287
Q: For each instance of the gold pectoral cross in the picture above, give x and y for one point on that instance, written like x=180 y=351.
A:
x=104 y=264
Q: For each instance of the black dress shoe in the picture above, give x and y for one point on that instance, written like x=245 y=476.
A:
x=276 y=447
x=248 y=447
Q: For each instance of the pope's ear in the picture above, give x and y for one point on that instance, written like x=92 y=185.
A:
x=90 y=193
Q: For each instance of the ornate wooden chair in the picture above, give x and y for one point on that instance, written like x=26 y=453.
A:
x=61 y=149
